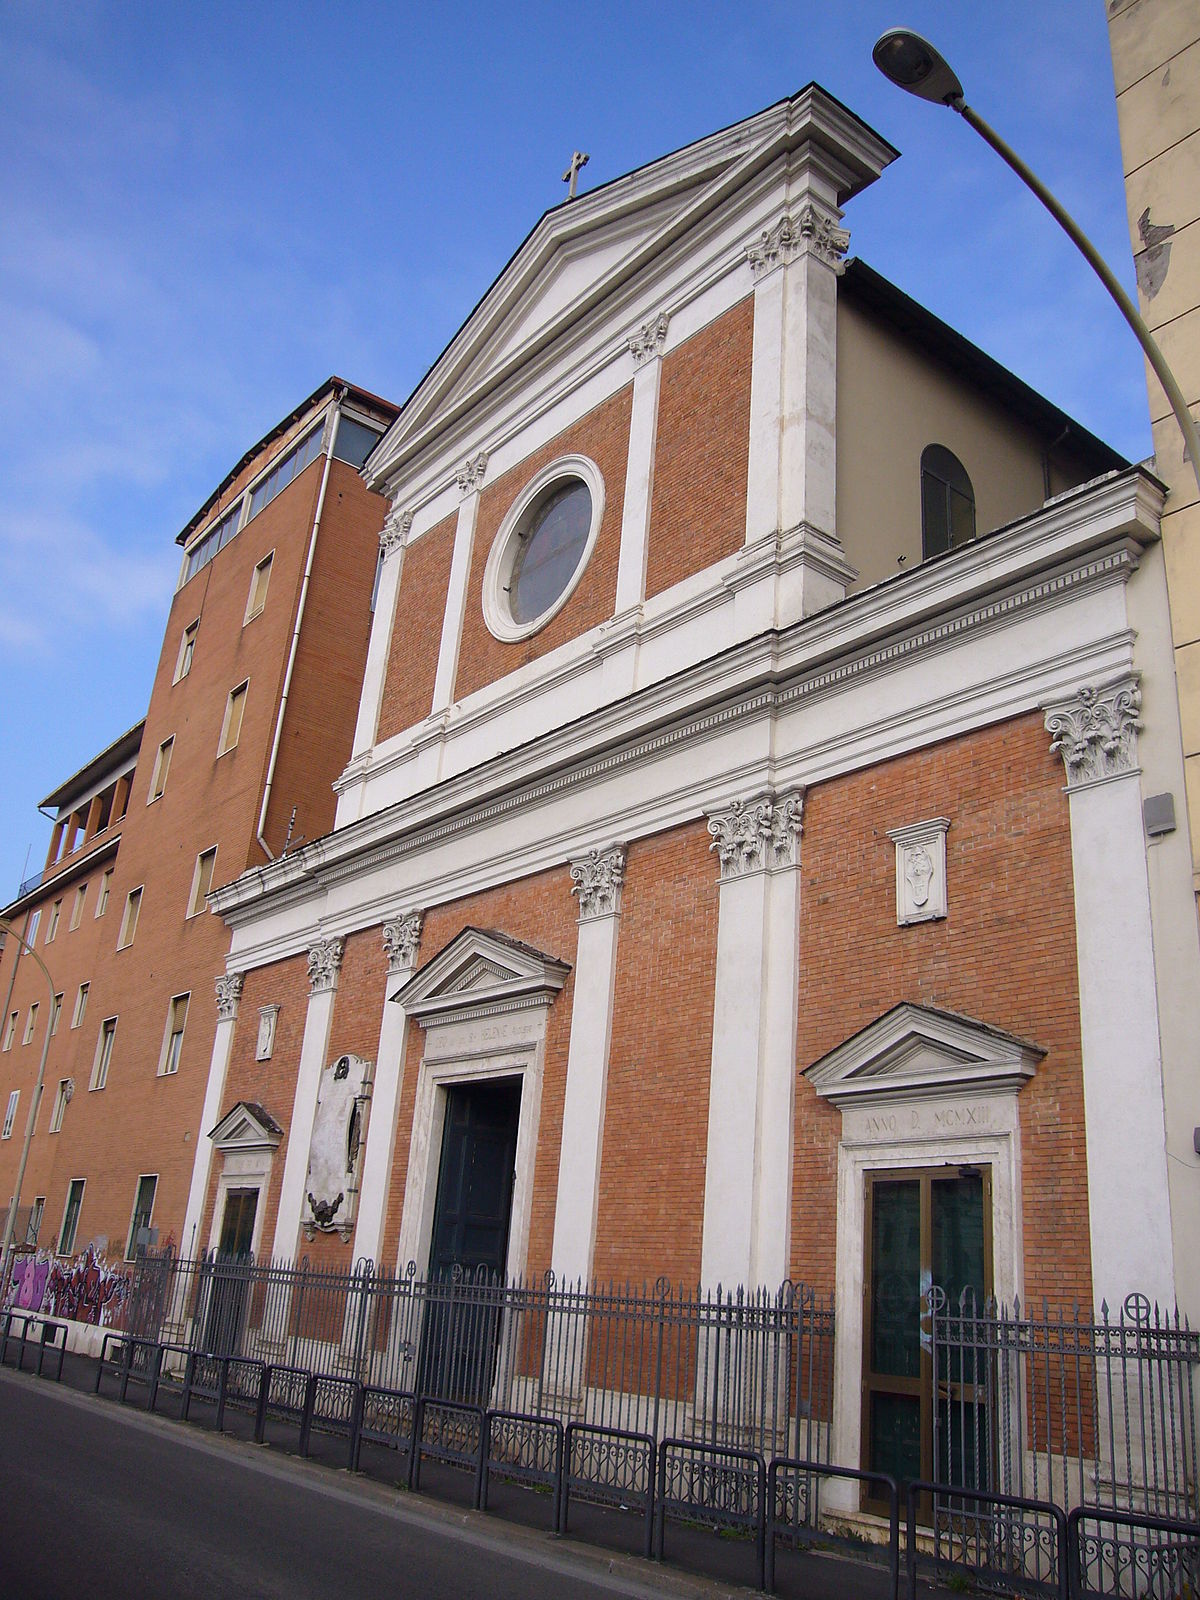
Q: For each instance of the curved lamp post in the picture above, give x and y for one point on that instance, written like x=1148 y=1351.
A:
x=6 y=1247
x=912 y=63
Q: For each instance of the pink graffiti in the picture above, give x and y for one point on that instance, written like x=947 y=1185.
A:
x=89 y=1290
x=29 y=1278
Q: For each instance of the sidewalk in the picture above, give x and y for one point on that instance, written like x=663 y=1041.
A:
x=698 y=1562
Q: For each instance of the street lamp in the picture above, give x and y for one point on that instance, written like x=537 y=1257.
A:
x=912 y=64
x=6 y=1247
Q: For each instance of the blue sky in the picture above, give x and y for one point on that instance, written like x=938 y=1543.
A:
x=207 y=209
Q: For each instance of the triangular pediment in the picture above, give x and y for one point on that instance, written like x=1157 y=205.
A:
x=582 y=251
x=481 y=969
x=246 y=1126
x=915 y=1051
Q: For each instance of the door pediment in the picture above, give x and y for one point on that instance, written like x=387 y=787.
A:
x=922 y=1051
x=246 y=1126
x=480 y=972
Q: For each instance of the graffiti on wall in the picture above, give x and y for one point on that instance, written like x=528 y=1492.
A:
x=84 y=1290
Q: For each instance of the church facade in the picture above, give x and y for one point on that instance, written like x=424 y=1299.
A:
x=755 y=859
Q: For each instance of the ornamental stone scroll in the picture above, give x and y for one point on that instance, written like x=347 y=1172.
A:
x=597 y=879
x=757 y=835
x=470 y=475
x=324 y=962
x=229 y=992
x=1095 y=732
x=401 y=940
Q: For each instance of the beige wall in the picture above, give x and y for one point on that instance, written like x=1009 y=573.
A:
x=891 y=403
x=1156 y=69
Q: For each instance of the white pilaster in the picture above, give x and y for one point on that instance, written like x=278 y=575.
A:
x=646 y=347
x=392 y=540
x=401 y=940
x=1095 y=732
x=597 y=881
x=753 y=1052
x=793 y=388
x=470 y=477
x=229 y=994
x=324 y=961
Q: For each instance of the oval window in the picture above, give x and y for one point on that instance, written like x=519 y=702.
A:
x=550 y=540
x=542 y=547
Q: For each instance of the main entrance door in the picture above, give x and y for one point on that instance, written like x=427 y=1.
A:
x=470 y=1232
x=230 y=1275
x=922 y=1228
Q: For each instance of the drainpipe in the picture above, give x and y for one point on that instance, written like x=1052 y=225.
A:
x=291 y=662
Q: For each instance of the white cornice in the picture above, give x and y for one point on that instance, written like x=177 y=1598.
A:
x=1040 y=564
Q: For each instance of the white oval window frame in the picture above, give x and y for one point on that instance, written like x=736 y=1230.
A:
x=498 y=571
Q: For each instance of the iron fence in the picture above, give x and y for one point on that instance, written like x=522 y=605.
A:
x=1074 y=1410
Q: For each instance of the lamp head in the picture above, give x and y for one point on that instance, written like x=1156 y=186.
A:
x=912 y=63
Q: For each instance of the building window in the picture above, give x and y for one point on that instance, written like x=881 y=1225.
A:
x=77 y=908
x=217 y=537
x=173 y=1035
x=102 y=897
x=355 y=441
x=32 y=923
x=10 y=1115
x=292 y=465
x=202 y=877
x=162 y=764
x=231 y=727
x=10 y=1030
x=30 y=1023
x=70 y=1222
x=81 y=1000
x=187 y=647
x=52 y=923
x=133 y=904
x=143 y=1210
x=542 y=547
x=258 y=587
x=55 y=1013
x=947 y=501
x=104 y=1049
x=35 y=1220
x=65 y=1091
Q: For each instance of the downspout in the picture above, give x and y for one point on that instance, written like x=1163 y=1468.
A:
x=295 y=645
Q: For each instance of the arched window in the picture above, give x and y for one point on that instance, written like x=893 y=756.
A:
x=947 y=501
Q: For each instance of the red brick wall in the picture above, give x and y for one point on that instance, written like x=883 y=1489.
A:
x=318 y=724
x=417 y=630
x=651 y=1206
x=540 y=911
x=604 y=436
x=270 y=1084
x=698 y=504
x=1005 y=955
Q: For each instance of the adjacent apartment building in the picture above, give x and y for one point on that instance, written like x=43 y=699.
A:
x=248 y=724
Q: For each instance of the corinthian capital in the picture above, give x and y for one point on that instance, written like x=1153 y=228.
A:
x=649 y=340
x=812 y=231
x=401 y=939
x=395 y=533
x=1095 y=732
x=229 y=993
x=470 y=475
x=752 y=835
x=324 y=960
x=597 y=880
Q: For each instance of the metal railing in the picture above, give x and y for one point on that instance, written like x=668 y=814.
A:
x=1072 y=1409
x=751 y=1369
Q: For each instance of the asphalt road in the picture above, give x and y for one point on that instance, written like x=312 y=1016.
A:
x=98 y=1501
